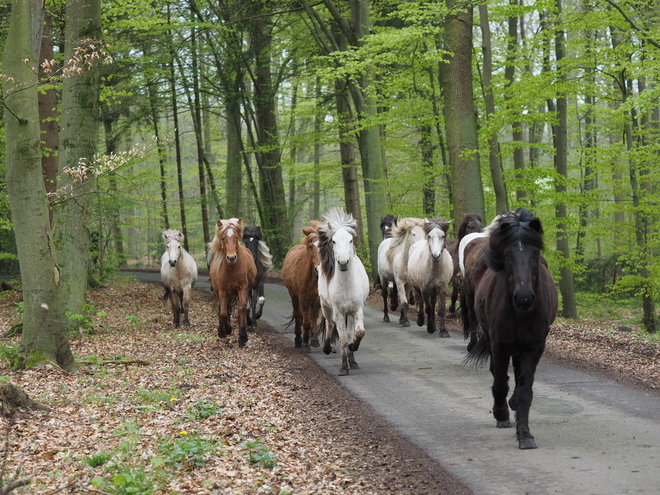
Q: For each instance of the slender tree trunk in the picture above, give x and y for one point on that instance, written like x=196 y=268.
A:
x=501 y=199
x=177 y=136
x=428 y=188
x=44 y=335
x=151 y=88
x=460 y=117
x=560 y=139
x=48 y=115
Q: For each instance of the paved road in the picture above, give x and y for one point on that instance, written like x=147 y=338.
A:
x=594 y=436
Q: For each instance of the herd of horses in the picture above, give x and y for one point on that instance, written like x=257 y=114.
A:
x=508 y=299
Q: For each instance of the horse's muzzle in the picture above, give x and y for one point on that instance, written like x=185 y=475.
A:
x=343 y=266
x=436 y=257
x=524 y=300
x=172 y=262
x=231 y=259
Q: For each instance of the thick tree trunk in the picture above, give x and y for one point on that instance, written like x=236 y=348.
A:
x=78 y=138
x=44 y=335
x=460 y=117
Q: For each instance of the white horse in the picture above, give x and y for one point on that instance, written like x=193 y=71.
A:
x=178 y=272
x=406 y=232
x=430 y=268
x=386 y=276
x=343 y=286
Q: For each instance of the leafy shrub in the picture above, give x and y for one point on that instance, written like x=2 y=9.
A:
x=186 y=452
x=258 y=454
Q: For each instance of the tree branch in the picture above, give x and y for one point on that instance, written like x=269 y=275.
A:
x=633 y=24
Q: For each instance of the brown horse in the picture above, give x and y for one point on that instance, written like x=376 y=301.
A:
x=300 y=277
x=232 y=274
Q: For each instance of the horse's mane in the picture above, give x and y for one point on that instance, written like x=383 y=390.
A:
x=335 y=219
x=519 y=226
x=170 y=234
x=436 y=223
x=400 y=232
x=469 y=221
x=311 y=233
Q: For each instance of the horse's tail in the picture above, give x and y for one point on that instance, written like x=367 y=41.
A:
x=479 y=354
x=265 y=257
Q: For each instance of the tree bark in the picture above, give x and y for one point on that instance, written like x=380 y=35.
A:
x=44 y=335
x=460 y=117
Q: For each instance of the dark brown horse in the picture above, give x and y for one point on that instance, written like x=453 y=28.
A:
x=300 y=277
x=253 y=239
x=472 y=222
x=515 y=303
x=232 y=274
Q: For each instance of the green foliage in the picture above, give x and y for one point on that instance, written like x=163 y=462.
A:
x=126 y=480
x=203 y=409
x=258 y=454
x=83 y=323
x=189 y=451
x=10 y=353
x=98 y=459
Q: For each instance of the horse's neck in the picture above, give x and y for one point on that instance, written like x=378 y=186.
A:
x=463 y=244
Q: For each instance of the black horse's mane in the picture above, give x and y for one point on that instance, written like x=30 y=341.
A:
x=469 y=221
x=523 y=227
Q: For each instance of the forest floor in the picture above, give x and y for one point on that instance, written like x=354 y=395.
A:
x=155 y=409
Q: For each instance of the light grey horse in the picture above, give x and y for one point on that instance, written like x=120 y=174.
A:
x=178 y=272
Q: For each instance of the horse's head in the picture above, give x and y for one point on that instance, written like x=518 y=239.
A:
x=436 y=234
x=472 y=222
x=515 y=247
x=173 y=239
x=229 y=232
x=336 y=236
x=386 y=224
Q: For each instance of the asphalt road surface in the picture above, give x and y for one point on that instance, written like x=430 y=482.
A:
x=593 y=436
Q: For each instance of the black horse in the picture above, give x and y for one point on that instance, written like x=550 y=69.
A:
x=253 y=239
x=386 y=224
x=515 y=304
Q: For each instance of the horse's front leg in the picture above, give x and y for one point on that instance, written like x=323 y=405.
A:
x=260 y=301
x=442 y=297
x=524 y=394
x=313 y=327
x=420 y=307
x=175 y=299
x=329 y=329
x=499 y=365
x=242 y=317
x=358 y=333
x=186 y=304
x=394 y=296
x=403 y=298
x=224 y=325
x=344 y=341
x=429 y=301
x=383 y=292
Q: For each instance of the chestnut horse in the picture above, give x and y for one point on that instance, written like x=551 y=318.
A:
x=515 y=303
x=300 y=277
x=232 y=274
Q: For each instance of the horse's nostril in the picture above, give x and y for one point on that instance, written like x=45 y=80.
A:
x=172 y=262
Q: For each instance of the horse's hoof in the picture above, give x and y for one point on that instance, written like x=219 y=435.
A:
x=242 y=341
x=527 y=443
x=405 y=324
x=298 y=342
x=430 y=329
x=327 y=348
x=504 y=424
x=221 y=334
x=386 y=319
x=513 y=403
x=315 y=343
x=343 y=372
x=186 y=323
x=444 y=334
x=354 y=366
x=420 y=321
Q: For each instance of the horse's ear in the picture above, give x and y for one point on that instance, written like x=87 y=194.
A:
x=535 y=223
x=240 y=222
x=218 y=223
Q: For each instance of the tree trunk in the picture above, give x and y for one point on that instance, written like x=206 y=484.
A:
x=44 y=335
x=560 y=139
x=460 y=117
x=48 y=115
x=501 y=199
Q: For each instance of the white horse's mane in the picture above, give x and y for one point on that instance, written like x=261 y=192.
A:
x=264 y=255
x=170 y=234
x=335 y=219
